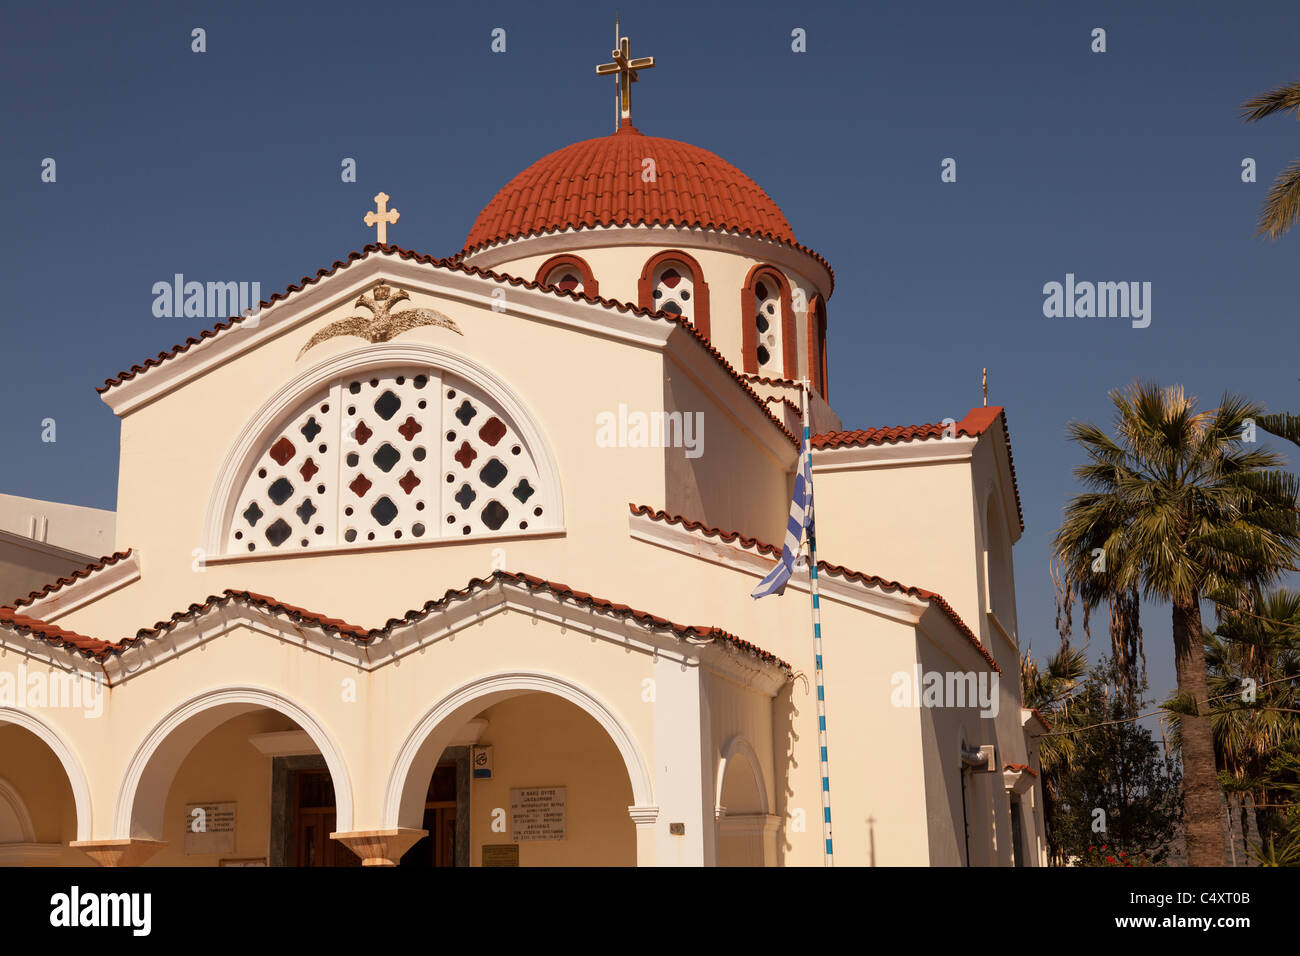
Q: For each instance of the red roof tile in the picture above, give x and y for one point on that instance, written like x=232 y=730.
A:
x=57 y=636
x=752 y=377
x=100 y=565
x=600 y=182
x=839 y=571
x=100 y=650
x=1021 y=768
x=976 y=423
x=456 y=265
x=798 y=412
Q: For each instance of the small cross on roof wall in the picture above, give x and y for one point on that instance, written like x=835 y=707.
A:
x=383 y=217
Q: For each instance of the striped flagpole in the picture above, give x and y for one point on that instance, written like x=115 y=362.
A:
x=817 y=639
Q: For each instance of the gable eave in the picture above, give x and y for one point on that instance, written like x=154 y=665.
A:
x=314 y=296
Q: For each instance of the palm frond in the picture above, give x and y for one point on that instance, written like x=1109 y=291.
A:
x=1283 y=98
x=1283 y=425
x=1282 y=207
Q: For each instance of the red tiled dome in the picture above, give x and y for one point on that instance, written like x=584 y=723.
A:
x=598 y=182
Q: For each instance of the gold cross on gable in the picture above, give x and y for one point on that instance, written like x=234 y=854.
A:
x=383 y=217
x=626 y=68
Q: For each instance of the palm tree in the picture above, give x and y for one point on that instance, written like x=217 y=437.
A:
x=1053 y=691
x=1179 y=509
x=1253 y=661
x=1282 y=208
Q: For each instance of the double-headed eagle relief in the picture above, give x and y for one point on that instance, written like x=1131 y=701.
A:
x=381 y=326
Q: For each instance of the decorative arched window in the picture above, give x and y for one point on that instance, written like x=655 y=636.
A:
x=673 y=282
x=570 y=273
x=767 y=335
x=817 y=345
x=400 y=453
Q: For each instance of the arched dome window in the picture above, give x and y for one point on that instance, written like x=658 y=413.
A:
x=673 y=282
x=768 y=330
x=817 y=345
x=568 y=273
x=396 y=454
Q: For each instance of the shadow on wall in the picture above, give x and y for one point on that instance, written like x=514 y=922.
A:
x=784 y=739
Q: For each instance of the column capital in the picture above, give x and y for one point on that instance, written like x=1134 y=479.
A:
x=645 y=816
x=118 y=852
x=380 y=847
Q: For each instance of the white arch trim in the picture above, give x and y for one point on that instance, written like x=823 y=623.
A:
x=519 y=682
x=359 y=361
x=71 y=765
x=739 y=746
x=250 y=697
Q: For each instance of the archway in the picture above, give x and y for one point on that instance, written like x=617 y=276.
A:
x=547 y=733
x=211 y=736
x=26 y=754
x=38 y=811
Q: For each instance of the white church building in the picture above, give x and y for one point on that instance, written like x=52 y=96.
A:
x=448 y=561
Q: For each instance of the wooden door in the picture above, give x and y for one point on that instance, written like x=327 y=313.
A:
x=314 y=821
x=439 y=847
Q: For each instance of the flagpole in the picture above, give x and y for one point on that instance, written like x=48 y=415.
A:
x=805 y=387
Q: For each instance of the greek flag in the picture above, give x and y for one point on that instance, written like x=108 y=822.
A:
x=800 y=520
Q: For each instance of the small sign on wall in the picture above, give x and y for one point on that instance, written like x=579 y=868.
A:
x=500 y=854
x=209 y=828
x=537 y=813
x=480 y=762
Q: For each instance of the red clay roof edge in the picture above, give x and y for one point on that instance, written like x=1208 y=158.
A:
x=976 y=422
x=871 y=580
x=105 y=562
x=100 y=650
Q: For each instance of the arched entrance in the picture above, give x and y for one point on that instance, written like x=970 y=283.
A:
x=44 y=798
x=205 y=782
x=565 y=771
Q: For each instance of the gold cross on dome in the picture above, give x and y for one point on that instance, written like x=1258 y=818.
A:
x=626 y=68
x=383 y=217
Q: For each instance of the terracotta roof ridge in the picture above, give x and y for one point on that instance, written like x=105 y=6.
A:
x=89 y=647
x=1021 y=768
x=79 y=575
x=99 y=650
x=838 y=570
x=766 y=380
x=785 y=401
x=454 y=264
x=974 y=424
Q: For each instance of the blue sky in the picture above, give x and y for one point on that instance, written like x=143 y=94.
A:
x=1115 y=166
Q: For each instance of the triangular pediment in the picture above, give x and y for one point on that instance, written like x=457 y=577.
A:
x=442 y=288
